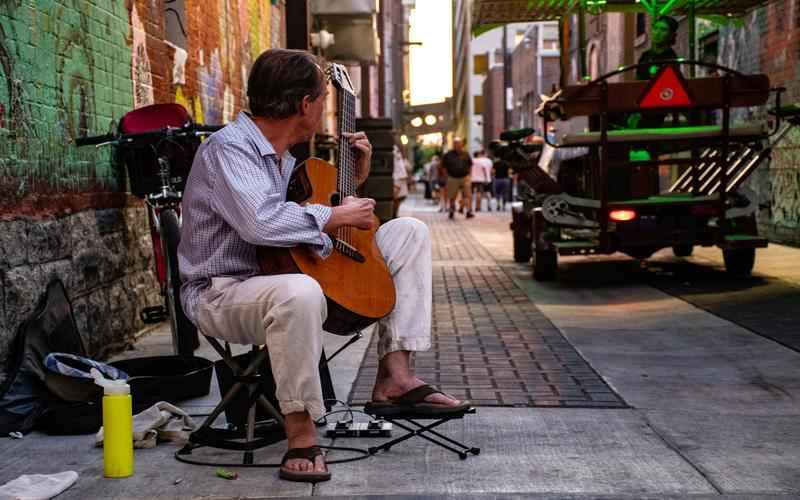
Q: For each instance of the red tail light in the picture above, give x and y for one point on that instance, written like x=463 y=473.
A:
x=622 y=215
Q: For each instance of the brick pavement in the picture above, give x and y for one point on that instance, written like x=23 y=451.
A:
x=490 y=343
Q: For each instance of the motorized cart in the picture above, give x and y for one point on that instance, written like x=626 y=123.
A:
x=637 y=190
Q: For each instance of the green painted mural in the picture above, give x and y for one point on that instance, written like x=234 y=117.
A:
x=61 y=76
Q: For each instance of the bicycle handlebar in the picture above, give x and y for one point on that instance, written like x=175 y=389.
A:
x=191 y=128
x=98 y=139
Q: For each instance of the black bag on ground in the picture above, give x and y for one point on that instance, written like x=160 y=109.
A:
x=51 y=328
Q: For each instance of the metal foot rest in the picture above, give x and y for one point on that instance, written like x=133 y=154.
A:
x=415 y=428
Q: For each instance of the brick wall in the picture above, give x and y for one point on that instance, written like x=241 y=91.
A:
x=70 y=68
x=768 y=41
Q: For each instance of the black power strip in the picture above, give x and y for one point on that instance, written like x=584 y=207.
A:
x=374 y=428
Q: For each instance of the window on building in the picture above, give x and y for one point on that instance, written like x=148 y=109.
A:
x=550 y=44
x=480 y=64
x=641 y=24
x=477 y=104
x=518 y=36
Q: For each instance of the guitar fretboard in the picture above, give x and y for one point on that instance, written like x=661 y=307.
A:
x=346 y=160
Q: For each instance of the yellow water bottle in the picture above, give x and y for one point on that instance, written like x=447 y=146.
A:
x=117 y=427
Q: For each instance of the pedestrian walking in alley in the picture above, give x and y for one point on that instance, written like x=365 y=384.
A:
x=441 y=183
x=502 y=182
x=432 y=175
x=400 y=178
x=481 y=178
x=458 y=164
x=235 y=201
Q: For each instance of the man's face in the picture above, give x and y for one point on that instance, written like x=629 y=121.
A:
x=458 y=145
x=314 y=109
x=662 y=34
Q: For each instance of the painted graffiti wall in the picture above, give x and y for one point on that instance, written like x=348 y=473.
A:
x=72 y=68
x=768 y=41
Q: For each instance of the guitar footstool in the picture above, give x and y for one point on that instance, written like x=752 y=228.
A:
x=426 y=432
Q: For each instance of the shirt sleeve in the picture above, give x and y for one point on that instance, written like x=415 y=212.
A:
x=246 y=197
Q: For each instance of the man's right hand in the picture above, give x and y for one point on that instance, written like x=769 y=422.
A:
x=358 y=212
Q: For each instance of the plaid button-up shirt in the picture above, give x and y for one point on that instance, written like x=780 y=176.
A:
x=235 y=200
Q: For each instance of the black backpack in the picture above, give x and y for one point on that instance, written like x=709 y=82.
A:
x=51 y=328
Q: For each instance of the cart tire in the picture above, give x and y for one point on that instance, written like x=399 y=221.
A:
x=522 y=248
x=545 y=265
x=682 y=250
x=522 y=241
x=184 y=333
x=739 y=261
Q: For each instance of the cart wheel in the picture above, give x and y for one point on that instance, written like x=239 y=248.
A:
x=184 y=333
x=462 y=456
x=739 y=261
x=522 y=239
x=684 y=250
x=545 y=265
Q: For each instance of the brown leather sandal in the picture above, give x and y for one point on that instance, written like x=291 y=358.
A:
x=310 y=454
x=414 y=402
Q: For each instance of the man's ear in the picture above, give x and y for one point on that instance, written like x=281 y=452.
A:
x=305 y=105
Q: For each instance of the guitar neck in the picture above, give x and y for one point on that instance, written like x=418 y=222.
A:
x=346 y=159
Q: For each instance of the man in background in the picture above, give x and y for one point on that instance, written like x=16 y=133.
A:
x=400 y=178
x=481 y=178
x=458 y=165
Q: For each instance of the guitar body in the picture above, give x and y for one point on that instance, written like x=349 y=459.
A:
x=358 y=293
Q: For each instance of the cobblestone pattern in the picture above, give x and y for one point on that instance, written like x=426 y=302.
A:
x=490 y=344
x=451 y=242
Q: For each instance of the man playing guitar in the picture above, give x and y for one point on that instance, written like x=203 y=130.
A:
x=235 y=201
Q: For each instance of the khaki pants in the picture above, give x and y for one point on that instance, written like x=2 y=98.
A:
x=286 y=313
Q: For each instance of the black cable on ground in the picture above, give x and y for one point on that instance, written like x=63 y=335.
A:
x=364 y=454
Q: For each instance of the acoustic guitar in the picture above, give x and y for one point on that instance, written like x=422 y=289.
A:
x=355 y=279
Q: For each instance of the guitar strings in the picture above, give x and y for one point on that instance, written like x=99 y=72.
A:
x=346 y=170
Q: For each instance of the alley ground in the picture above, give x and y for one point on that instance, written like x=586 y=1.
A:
x=663 y=380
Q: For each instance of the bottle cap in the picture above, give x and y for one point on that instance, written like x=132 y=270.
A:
x=110 y=386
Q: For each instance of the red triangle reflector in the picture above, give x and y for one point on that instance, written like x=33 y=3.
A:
x=667 y=90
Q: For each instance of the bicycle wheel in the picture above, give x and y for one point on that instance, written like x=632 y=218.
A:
x=184 y=333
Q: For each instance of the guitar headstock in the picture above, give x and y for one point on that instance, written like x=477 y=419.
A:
x=339 y=77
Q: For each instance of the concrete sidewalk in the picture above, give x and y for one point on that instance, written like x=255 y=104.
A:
x=713 y=408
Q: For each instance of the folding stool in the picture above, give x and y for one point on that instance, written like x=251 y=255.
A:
x=414 y=428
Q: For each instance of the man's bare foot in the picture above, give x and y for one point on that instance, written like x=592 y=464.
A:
x=301 y=433
x=394 y=379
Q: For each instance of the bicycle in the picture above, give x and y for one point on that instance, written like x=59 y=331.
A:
x=157 y=145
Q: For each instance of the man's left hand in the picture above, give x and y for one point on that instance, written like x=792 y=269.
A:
x=363 y=148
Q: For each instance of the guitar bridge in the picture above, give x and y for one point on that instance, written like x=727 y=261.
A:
x=348 y=250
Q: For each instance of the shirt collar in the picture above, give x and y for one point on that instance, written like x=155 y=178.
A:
x=248 y=126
